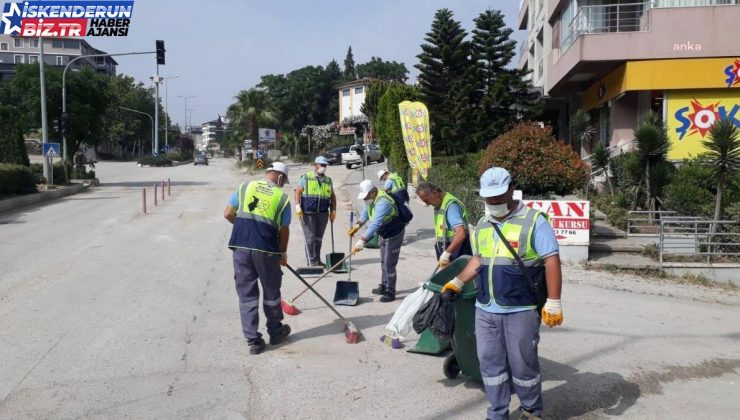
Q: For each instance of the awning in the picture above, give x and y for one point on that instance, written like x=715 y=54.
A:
x=677 y=74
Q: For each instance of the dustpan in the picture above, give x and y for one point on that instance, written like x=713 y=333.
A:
x=332 y=259
x=347 y=292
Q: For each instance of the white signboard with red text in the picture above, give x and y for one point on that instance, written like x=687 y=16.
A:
x=569 y=219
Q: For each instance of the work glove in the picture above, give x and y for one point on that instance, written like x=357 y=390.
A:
x=552 y=313
x=358 y=246
x=332 y=216
x=455 y=286
x=444 y=259
x=353 y=230
x=284 y=259
x=299 y=211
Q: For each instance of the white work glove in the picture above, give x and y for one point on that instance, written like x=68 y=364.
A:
x=552 y=313
x=444 y=259
x=358 y=246
x=299 y=211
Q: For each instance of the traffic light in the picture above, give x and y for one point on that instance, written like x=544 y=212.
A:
x=65 y=124
x=160 y=52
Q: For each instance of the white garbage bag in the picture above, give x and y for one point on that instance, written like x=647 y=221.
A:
x=401 y=323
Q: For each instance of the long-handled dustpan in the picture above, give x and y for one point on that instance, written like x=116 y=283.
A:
x=308 y=270
x=332 y=259
x=347 y=292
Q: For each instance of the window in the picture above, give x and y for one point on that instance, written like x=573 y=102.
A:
x=60 y=60
x=71 y=44
x=18 y=43
x=345 y=92
x=4 y=46
x=358 y=90
x=33 y=59
x=57 y=43
x=34 y=43
x=18 y=59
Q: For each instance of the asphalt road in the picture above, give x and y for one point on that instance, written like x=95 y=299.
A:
x=109 y=313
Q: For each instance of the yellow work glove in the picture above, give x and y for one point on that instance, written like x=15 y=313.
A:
x=332 y=216
x=353 y=230
x=455 y=286
x=299 y=211
x=284 y=259
x=358 y=246
x=444 y=259
x=552 y=313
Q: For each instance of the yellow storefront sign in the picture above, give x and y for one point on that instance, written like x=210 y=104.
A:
x=690 y=114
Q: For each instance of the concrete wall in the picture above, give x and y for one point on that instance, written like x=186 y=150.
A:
x=624 y=117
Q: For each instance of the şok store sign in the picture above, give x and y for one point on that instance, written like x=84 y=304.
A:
x=691 y=113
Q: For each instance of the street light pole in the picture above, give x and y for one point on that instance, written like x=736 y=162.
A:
x=143 y=113
x=44 y=127
x=185 y=122
x=166 y=115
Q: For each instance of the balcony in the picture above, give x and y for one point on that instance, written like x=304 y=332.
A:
x=614 y=18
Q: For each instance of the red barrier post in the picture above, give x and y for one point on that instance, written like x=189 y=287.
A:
x=169 y=187
x=162 y=190
x=155 y=194
x=143 y=199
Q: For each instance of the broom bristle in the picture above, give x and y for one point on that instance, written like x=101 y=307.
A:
x=289 y=309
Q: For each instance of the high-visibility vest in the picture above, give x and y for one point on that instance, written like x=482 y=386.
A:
x=316 y=197
x=257 y=224
x=445 y=235
x=392 y=224
x=397 y=181
x=500 y=278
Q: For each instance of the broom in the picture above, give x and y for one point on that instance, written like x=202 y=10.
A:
x=288 y=307
x=351 y=332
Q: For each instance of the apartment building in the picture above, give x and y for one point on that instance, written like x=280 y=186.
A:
x=57 y=52
x=212 y=132
x=620 y=59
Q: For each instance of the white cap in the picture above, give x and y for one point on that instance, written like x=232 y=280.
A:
x=494 y=182
x=381 y=173
x=365 y=187
x=321 y=161
x=279 y=167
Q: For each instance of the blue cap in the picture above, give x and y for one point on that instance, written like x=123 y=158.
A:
x=321 y=161
x=494 y=182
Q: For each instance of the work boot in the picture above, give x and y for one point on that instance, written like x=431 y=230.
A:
x=388 y=297
x=318 y=264
x=280 y=335
x=256 y=346
x=526 y=415
x=380 y=290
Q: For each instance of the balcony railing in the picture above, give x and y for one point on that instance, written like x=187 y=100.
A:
x=622 y=17
x=693 y=3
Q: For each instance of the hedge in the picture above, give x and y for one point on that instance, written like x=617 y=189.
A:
x=16 y=179
x=160 y=160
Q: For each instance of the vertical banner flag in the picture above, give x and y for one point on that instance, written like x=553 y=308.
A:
x=416 y=138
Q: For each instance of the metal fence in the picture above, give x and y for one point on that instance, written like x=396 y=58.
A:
x=646 y=223
x=620 y=17
x=694 y=237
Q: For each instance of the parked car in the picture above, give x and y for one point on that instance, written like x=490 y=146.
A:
x=352 y=158
x=334 y=156
x=200 y=159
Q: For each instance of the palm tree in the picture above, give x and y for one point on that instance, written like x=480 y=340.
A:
x=723 y=156
x=581 y=130
x=601 y=161
x=252 y=108
x=652 y=144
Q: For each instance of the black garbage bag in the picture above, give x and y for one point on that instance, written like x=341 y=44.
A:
x=438 y=316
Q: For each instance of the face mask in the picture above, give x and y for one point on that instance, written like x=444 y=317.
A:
x=497 y=210
x=321 y=170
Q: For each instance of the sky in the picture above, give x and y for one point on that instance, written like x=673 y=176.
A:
x=219 y=47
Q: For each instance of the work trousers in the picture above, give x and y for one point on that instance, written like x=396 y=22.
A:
x=507 y=345
x=314 y=226
x=390 y=250
x=249 y=266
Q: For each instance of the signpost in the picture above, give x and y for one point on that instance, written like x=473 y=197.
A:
x=51 y=151
x=260 y=154
x=569 y=219
x=260 y=164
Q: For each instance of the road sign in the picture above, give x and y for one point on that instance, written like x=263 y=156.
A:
x=52 y=150
x=260 y=154
x=267 y=135
x=260 y=164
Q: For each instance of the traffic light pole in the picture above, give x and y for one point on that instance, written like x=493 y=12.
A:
x=155 y=152
x=64 y=87
x=44 y=129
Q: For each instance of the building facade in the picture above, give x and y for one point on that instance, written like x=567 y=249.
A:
x=351 y=98
x=620 y=59
x=213 y=132
x=57 y=52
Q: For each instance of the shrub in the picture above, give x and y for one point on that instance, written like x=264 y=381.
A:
x=37 y=169
x=16 y=179
x=12 y=145
x=614 y=208
x=160 y=160
x=388 y=126
x=538 y=163
x=458 y=175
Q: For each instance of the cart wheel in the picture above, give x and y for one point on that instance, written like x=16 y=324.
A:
x=450 y=368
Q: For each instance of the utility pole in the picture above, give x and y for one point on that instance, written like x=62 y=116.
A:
x=185 y=122
x=160 y=60
x=166 y=115
x=44 y=128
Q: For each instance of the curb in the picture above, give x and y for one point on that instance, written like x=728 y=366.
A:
x=185 y=162
x=41 y=197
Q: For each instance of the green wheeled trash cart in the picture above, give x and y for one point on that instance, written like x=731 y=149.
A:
x=465 y=356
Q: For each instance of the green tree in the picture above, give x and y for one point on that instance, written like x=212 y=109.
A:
x=248 y=112
x=376 y=68
x=581 y=131
x=601 y=161
x=388 y=122
x=652 y=145
x=723 y=157
x=128 y=130
x=12 y=146
x=349 y=66
x=374 y=91
x=443 y=63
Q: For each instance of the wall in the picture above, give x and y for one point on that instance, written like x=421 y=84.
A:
x=624 y=113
